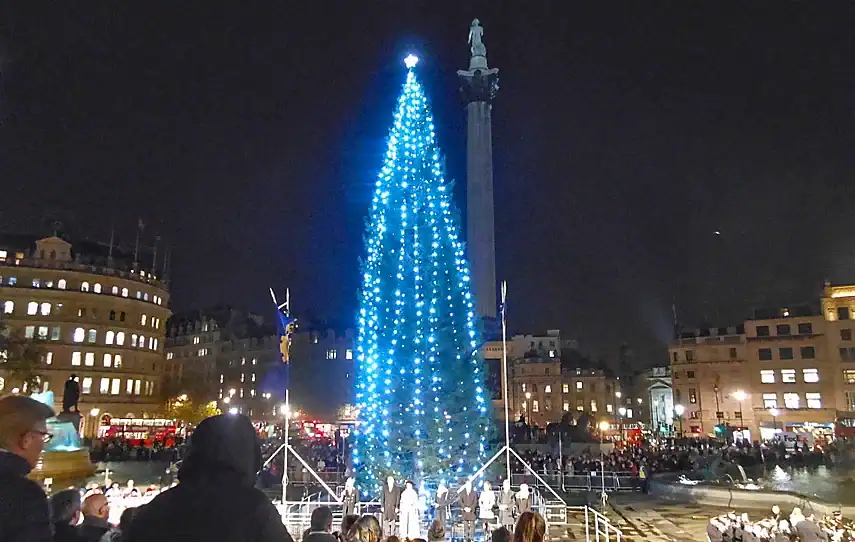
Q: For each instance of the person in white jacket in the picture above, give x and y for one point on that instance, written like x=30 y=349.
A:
x=408 y=520
x=486 y=502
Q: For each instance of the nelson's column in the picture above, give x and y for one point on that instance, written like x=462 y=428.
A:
x=479 y=85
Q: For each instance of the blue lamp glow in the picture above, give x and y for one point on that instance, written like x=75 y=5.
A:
x=410 y=61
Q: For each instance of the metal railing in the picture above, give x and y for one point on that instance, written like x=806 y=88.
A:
x=612 y=481
x=597 y=526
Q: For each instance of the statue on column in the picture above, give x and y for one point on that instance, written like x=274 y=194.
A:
x=476 y=31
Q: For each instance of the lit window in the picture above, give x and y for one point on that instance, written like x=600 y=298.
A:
x=195 y=340
x=152 y=347
x=115 y=386
x=92 y=335
x=243 y=361
x=788 y=376
x=767 y=376
x=13 y=281
x=108 y=360
x=117 y=361
x=348 y=354
x=252 y=393
x=241 y=393
x=8 y=307
x=331 y=354
x=84 y=287
x=552 y=353
x=55 y=333
x=86 y=385
x=49 y=358
x=169 y=355
x=810 y=376
x=813 y=400
x=36 y=283
x=609 y=409
x=134 y=340
x=3 y=256
x=253 y=377
x=137 y=384
x=97 y=288
x=593 y=405
x=791 y=400
x=535 y=406
x=79 y=335
x=255 y=361
x=75 y=358
x=693 y=395
x=32 y=308
x=579 y=385
x=110 y=337
x=547 y=389
x=566 y=406
x=523 y=387
x=120 y=338
x=43 y=333
x=114 y=290
x=124 y=292
x=139 y=294
x=142 y=320
x=129 y=386
x=105 y=385
x=29 y=332
x=89 y=359
x=44 y=309
x=849 y=376
x=221 y=378
x=61 y=284
x=242 y=377
x=145 y=297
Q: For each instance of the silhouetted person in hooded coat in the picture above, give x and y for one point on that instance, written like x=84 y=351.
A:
x=215 y=498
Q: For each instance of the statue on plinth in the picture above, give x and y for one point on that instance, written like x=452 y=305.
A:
x=71 y=394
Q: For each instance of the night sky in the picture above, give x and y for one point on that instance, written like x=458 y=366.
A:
x=626 y=134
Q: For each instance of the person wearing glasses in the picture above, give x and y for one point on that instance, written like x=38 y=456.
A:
x=24 y=513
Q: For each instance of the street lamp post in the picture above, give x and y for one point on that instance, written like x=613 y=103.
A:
x=604 y=426
x=740 y=396
x=678 y=411
x=774 y=412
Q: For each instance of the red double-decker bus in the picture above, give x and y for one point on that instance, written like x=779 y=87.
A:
x=140 y=430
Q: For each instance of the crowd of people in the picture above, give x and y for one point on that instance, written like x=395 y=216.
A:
x=530 y=527
x=776 y=526
x=216 y=498
x=122 y=449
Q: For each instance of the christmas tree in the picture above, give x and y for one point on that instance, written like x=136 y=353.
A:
x=420 y=383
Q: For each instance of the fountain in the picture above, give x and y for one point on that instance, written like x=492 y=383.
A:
x=64 y=459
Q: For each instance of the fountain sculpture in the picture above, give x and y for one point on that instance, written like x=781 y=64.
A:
x=64 y=458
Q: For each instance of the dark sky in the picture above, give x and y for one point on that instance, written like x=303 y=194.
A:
x=625 y=134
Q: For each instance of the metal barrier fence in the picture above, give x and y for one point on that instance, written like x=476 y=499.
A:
x=613 y=481
x=610 y=481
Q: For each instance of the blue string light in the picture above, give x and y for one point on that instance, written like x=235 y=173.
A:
x=420 y=387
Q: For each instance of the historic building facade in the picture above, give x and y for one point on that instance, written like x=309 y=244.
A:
x=234 y=357
x=793 y=371
x=87 y=311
